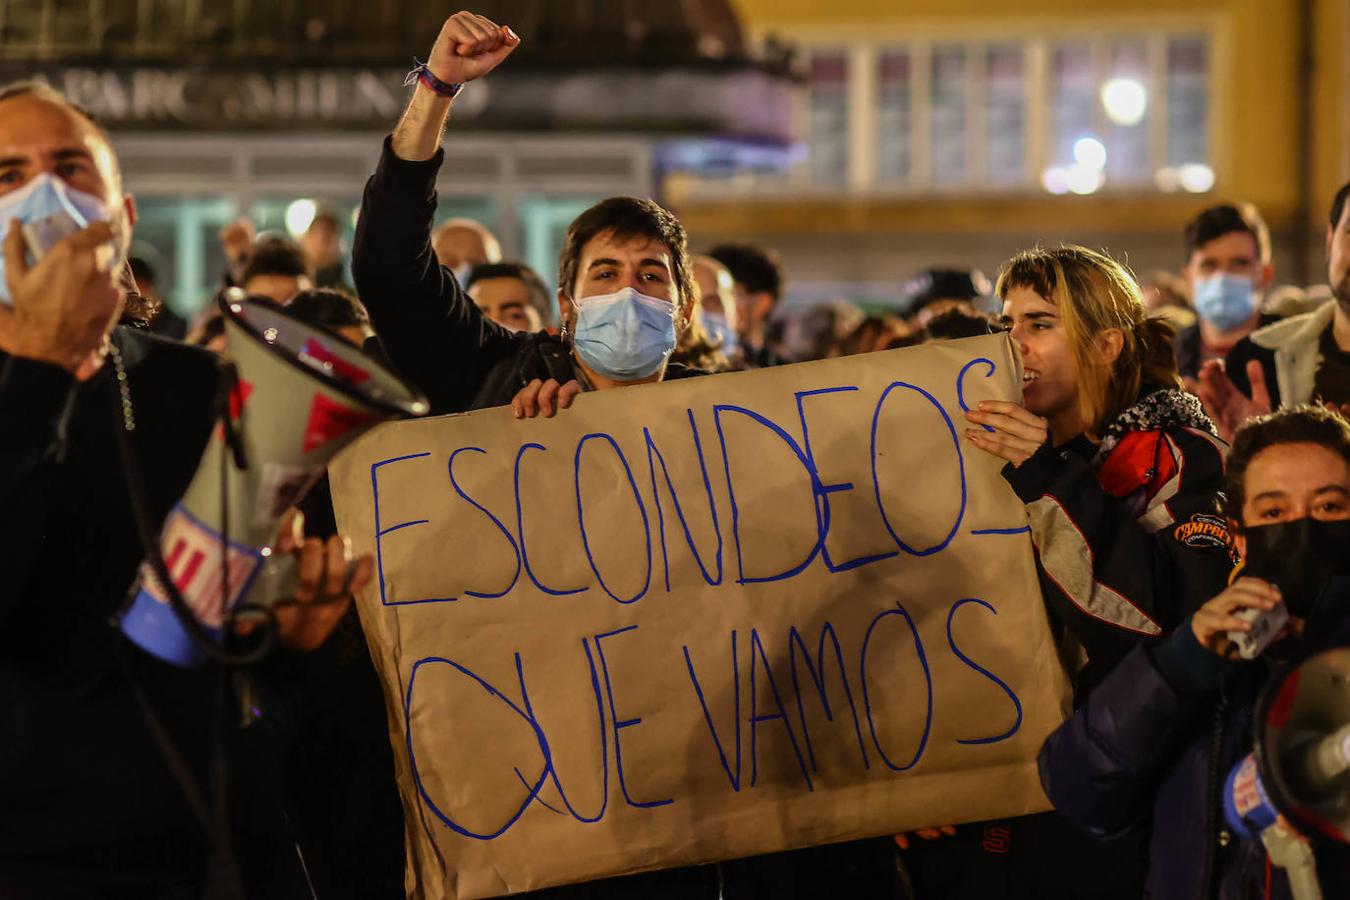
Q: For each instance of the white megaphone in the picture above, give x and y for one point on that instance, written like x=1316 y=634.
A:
x=299 y=395
x=1300 y=768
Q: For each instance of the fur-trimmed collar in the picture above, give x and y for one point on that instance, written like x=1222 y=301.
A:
x=1296 y=329
x=1159 y=409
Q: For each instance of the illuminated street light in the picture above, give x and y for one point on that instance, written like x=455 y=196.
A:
x=1084 y=179
x=1197 y=178
x=1089 y=153
x=1125 y=100
x=299 y=215
x=1167 y=180
x=1079 y=179
x=1055 y=180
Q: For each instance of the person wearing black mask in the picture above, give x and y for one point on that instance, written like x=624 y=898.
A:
x=1151 y=746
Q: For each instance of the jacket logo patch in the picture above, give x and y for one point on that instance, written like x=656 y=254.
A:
x=1203 y=531
x=997 y=839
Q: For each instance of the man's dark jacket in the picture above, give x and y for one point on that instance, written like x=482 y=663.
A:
x=1187 y=345
x=85 y=792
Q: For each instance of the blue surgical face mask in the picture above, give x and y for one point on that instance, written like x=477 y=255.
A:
x=720 y=330
x=1225 y=301
x=625 y=335
x=48 y=209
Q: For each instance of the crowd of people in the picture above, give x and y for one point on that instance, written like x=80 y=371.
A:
x=1169 y=432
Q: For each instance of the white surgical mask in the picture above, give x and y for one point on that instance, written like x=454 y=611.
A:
x=1225 y=300
x=625 y=335
x=720 y=329
x=48 y=209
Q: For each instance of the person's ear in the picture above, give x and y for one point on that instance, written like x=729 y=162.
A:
x=1266 y=278
x=1110 y=341
x=1239 y=539
x=762 y=304
x=688 y=309
x=567 y=313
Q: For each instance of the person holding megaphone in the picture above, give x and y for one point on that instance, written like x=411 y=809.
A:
x=1155 y=743
x=119 y=773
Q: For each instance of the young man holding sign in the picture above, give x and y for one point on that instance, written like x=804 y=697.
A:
x=626 y=292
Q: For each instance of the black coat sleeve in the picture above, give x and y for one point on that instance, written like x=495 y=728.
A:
x=1112 y=575
x=1102 y=767
x=430 y=329
x=35 y=403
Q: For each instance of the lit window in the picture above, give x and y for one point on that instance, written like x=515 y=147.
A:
x=1187 y=101
x=827 y=126
x=1124 y=99
x=1005 y=138
x=895 y=111
x=948 y=115
x=1113 y=112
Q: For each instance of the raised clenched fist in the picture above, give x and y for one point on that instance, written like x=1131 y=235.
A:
x=468 y=47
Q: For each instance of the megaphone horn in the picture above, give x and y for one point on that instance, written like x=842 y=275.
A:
x=299 y=394
x=1300 y=768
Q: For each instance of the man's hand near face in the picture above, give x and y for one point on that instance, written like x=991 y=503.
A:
x=1224 y=403
x=65 y=305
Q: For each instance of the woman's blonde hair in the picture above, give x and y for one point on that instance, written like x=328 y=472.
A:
x=1093 y=294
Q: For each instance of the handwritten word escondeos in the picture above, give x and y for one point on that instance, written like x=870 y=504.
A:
x=662 y=512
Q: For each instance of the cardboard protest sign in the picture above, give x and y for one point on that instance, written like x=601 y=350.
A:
x=704 y=619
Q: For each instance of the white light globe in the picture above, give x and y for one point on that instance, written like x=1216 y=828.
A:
x=1167 y=179
x=1055 y=180
x=1089 y=153
x=299 y=215
x=1126 y=101
x=1084 y=179
x=1197 y=178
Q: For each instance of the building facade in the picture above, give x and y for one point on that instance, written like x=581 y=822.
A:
x=954 y=132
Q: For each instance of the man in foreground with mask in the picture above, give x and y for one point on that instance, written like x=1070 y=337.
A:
x=625 y=291
x=717 y=301
x=1151 y=744
x=92 y=727
x=1229 y=270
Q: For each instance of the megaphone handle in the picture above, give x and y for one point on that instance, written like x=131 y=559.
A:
x=1295 y=856
x=225 y=412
